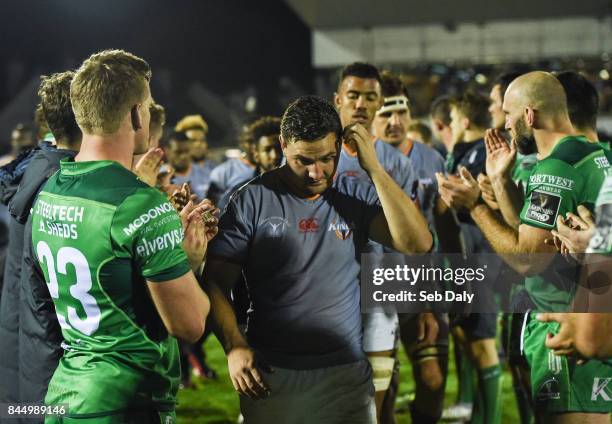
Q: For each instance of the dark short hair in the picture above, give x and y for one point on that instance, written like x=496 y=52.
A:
x=474 y=106
x=504 y=81
x=421 y=128
x=440 y=109
x=359 y=70
x=582 y=99
x=310 y=118
x=392 y=85
x=265 y=126
x=54 y=93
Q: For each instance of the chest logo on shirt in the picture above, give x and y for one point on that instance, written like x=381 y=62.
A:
x=350 y=174
x=308 y=225
x=342 y=230
x=275 y=226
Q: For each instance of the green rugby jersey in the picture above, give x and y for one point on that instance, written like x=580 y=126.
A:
x=522 y=169
x=601 y=242
x=571 y=175
x=98 y=232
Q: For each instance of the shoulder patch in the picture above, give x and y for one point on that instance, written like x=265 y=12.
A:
x=543 y=208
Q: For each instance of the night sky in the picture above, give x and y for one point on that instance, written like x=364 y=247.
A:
x=227 y=46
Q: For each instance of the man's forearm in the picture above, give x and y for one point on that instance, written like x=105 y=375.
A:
x=503 y=239
x=447 y=229
x=509 y=198
x=407 y=225
x=223 y=317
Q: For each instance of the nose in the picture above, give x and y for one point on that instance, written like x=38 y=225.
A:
x=395 y=120
x=360 y=104
x=315 y=171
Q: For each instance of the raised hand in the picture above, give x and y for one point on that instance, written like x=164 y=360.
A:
x=487 y=192
x=459 y=191
x=573 y=234
x=195 y=242
x=357 y=135
x=500 y=155
x=180 y=197
x=147 y=168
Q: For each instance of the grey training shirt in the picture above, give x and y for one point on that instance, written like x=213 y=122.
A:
x=300 y=258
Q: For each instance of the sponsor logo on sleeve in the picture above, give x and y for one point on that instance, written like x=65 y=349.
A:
x=543 y=208
x=166 y=241
x=602 y=162
x=148 y=216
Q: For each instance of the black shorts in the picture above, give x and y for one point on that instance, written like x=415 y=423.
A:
x=478 y=326
x=511 y=340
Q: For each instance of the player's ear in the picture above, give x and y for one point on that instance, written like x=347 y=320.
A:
x=283 y=143
x=438 y=124
x=337 y=100
x=530 y=116
x=136 y=117
x=465 y=123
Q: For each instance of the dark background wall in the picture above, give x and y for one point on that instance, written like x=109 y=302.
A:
x=207 y=56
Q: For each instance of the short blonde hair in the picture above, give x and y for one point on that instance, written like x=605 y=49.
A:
x=104 y=89
x=192 y=122
x=158 y=115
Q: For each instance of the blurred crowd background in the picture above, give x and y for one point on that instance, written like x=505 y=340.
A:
x=234 y=61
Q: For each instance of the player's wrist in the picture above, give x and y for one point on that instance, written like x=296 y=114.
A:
x=235 y=342
x=479 y=207
x=375 y=170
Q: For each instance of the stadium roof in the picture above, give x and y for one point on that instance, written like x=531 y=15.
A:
x=337 y=14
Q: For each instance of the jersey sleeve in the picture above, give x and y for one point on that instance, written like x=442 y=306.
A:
x=235 y=231
x=551 y=191
x=216 y=187
x=147 y=228
x=475 y=160
x=407 y=178
x=601 y=242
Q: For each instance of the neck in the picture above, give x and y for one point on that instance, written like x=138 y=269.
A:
x=589 y=133
x=287 y=177
x=473 y=135
x=546 y=139
x=184 y=172
x=447 y=140
x=112 y=147
x=405 y=145
x=68 y=144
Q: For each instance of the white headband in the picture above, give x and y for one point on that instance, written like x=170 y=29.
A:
x=394 y=103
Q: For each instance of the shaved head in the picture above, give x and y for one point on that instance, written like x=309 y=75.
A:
x=533 y=102
x=538 y=90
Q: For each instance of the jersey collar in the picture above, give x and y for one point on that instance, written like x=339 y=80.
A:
x=68 y=166
x=580 y=138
